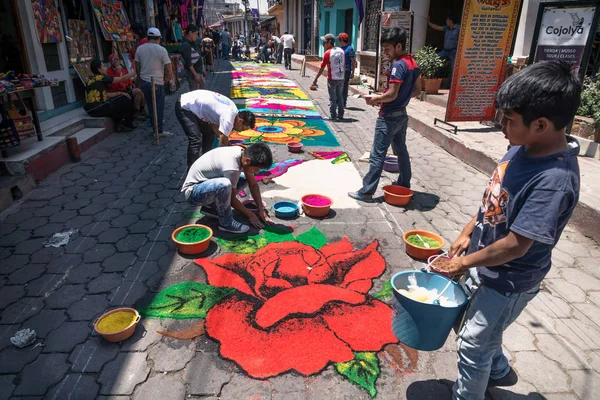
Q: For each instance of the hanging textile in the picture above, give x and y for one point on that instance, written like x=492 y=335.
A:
x=47 y=22
x=112 y=19
x=183 y=9
x=198 y=8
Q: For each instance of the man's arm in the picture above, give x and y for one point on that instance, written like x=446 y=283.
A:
x=255 y=192
x=434 y=26
x=418 y=88
x=223 y=139
x=318 y=75
x=461 y=244
x=386 y=97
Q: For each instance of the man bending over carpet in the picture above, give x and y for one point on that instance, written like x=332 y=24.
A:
x=214 y=179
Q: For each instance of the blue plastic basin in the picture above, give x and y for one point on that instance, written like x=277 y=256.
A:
x=424 y=326
x=285 y=209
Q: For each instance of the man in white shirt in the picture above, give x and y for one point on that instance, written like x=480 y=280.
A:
x=278 y=48
x=334 y=60
x=204 y=114
x=214 y=179
x=152 y=61
x=288 y=48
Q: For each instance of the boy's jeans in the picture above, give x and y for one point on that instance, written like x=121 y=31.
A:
x=388 y=130
x=336 y=98
x=480 y=355
x=160 y=102
x=216 y=193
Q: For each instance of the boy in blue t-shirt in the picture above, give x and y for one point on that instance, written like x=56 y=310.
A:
x=350 y=58
x=390 y=127
x=525 y=208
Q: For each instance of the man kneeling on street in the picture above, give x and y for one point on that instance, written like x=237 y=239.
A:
x=215 y=178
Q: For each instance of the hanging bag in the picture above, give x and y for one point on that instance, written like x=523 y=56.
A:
x=9 y=137
x=22 y=119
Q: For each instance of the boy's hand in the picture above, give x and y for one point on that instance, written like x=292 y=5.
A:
x=265 y=218
x=455 y=266
x=460 y=245
x=255 y=221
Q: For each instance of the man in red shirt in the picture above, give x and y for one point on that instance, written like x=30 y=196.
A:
x=125 y=87
x=334 y=60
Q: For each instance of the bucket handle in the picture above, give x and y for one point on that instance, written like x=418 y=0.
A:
x=433 y=258
x=137 y=319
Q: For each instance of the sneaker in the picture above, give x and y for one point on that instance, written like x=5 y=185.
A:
x=368 y=198
x=509 y=379
x=208 y=211
x=165 y=134
x=234 y=227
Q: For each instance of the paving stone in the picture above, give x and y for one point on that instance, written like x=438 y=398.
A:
x=44 y=284
x=46 y=255
x=66 y=337
x=109 y=214
x=579 y=333
x=586 y=383
x=142 y=271
x=44 y=372
x=124 y=221
x=552 y=305
x=45 y=322
x=119 y=262
x=48 y=230
x=92 y=209
x=26 y=274
x=33 y=223
x=6 y=332
x=566 y=290
x=112 y=235
x=6 y=386
x=242 y=387
x=559 y=350
x=80 y=245
x=105 y=283
x=172 y=356
x=153 y=251
x=128 y=294
x=29 y=246
x=62 y=216
x=161 y=387
x=551 y=378
x=78 y=222
x=134 y=209
x=142 y=226
x=115 y=189
x=95 y=228
x=75 y=386
x=77 y=204
x=65 y=296
x=518 y=338
x=581 y=279
x=131 y=243
x=161 y=233
x=99 y=253
x=21 y=311
x=92 y=355
x=89 y=194
x=84 y=273
x=444 y=365
x=12 y=263
x=145 y=335
x=14 y=359
x=121 y=375
x=89 y=307
x=11 y=294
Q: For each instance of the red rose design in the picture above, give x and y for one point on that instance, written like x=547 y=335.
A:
x=298 y=308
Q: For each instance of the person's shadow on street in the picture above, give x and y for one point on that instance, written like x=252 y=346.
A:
x=441 y=389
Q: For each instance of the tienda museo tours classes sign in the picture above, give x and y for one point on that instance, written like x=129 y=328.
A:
x=564 y=32
x=486 y=35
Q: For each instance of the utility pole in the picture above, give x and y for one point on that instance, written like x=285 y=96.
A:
x=246 y=4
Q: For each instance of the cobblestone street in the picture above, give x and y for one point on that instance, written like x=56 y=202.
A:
x=124 y=198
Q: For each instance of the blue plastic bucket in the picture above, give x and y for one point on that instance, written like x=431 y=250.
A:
x=424 y=326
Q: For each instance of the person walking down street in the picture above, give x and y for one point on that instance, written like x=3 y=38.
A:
x=288 y=48
x=225 y=44
x=125 y=87
x=350 y=58
x=152 y=61
x=203 y=115
x=525 y=207
x=192 y=59
x=216 y=36
x=278 y=48
x=390 y=127
x=451 y=34
x=100 y=103
x=333 y=59
x=207 y=47
x=214 y=180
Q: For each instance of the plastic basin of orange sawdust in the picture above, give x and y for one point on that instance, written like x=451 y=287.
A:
x=118 y=324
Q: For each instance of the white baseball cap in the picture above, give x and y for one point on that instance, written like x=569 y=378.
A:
x=154 y=32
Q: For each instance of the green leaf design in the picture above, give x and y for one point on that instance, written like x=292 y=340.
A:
x=386 y=291
x=314 y=238
x=362 y=370
x=185 y=300
x=249 y=244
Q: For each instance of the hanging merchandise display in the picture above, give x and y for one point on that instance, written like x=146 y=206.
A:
x=81 y=45
x=9 y=136
x=47 y=22
x=21 y=116
x=112 y=19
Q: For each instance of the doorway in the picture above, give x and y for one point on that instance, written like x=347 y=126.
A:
x=12 y=57
x=348 y=22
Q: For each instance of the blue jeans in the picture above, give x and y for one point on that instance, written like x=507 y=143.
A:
x=225 y=51
x=450 y=55
x=216 y=193
x=480 y=355
x=388 y=131
x=160 y=102
x=336 y=98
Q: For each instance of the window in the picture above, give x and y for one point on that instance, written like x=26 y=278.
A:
x=51 y=56
x=371 y=27
x=59 y=95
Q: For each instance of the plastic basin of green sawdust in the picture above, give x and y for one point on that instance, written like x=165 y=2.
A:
x=192 y=239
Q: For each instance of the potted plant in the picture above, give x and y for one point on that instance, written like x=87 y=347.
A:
x=431 y=65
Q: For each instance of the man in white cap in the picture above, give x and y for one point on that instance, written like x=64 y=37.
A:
x=152 y=61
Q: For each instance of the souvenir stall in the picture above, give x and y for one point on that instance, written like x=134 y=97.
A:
x=18 y=113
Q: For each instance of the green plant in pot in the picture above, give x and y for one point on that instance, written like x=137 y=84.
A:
x=431 y=66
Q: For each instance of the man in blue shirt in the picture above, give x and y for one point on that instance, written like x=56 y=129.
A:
x=350 y=57
x=525 y=207
x=390 y=128
x=451 y=34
